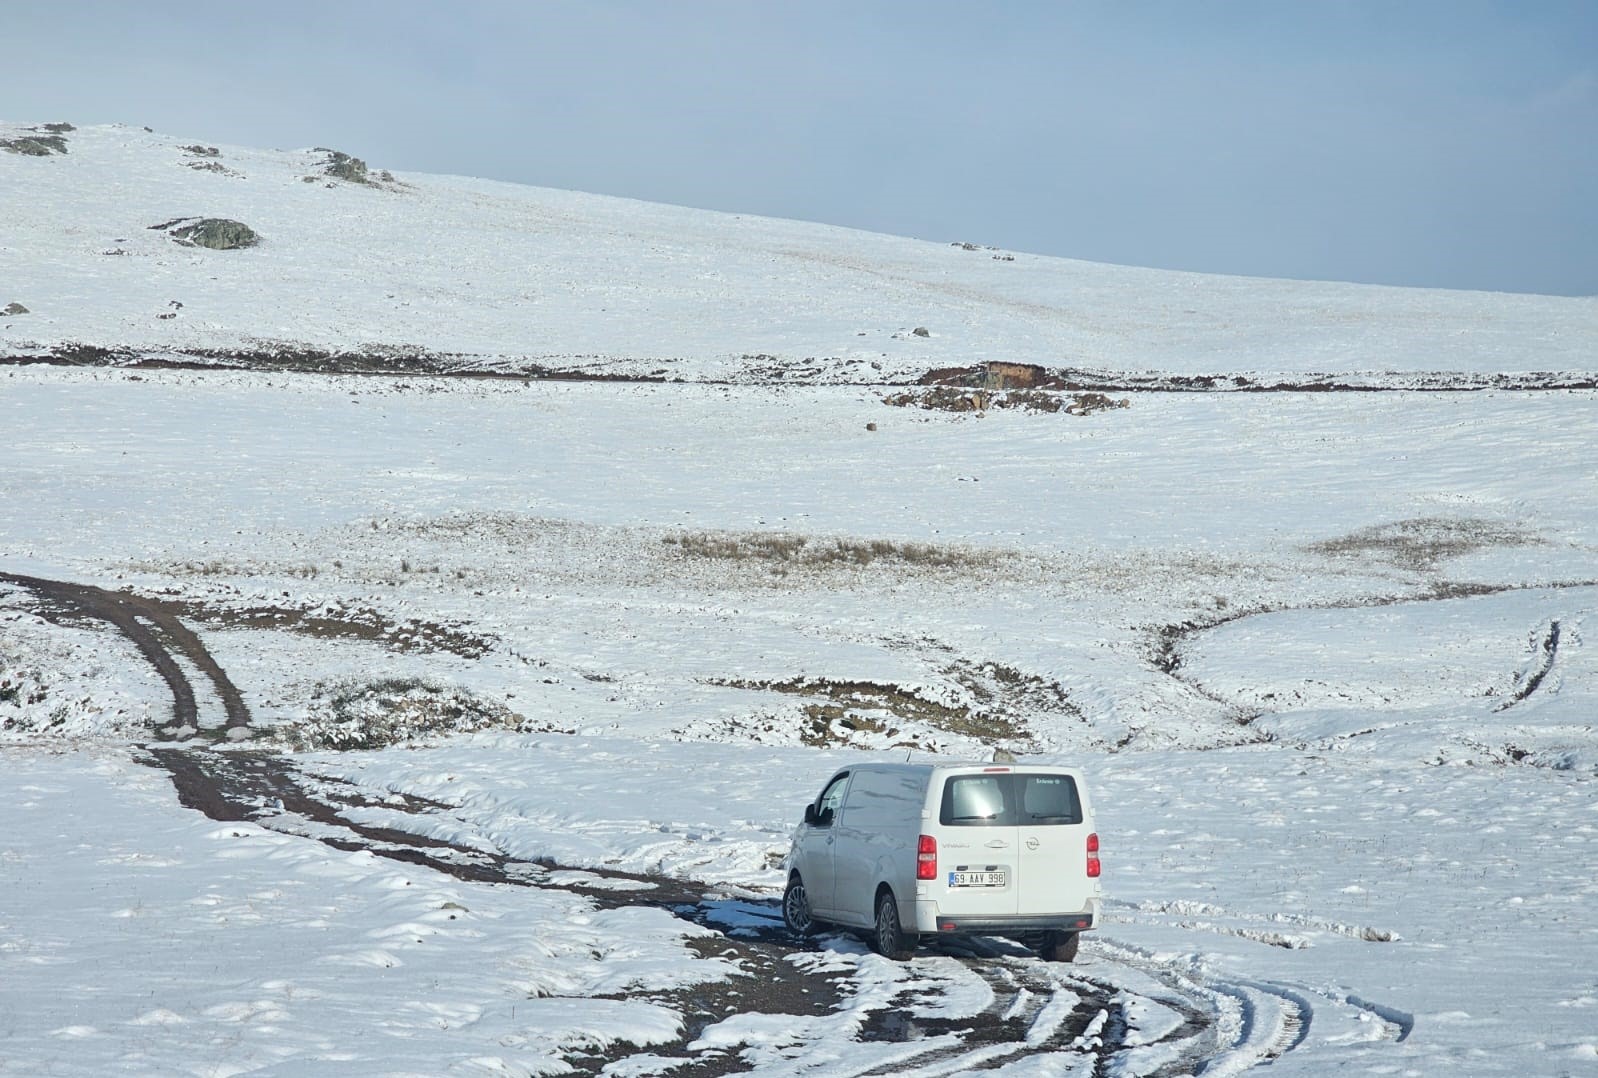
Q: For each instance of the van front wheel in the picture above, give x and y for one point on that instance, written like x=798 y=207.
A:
x=889 y=938
x=796 y=908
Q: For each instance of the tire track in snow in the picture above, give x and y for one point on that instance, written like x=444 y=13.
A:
x=1181 y=913
x=1272 y=1021
x=1544 y=653
x=1167 y=649
x=1091 y=1013
x=163 y=639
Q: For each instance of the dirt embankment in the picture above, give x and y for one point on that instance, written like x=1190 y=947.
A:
x=1014 y=385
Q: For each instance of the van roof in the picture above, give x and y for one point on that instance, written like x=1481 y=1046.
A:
x=973 y=767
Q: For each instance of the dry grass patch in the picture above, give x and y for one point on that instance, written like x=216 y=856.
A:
x=838 y=712
x=348 y=715
x=1420 y=544
x=798 y=550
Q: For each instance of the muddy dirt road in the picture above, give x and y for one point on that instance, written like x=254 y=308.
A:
x=1036 y=1007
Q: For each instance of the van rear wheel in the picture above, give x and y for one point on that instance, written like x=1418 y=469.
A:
x=1060 y=946
x=889 y=937
x=796 y=908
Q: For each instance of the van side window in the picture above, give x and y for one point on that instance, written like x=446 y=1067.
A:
x=831 y=797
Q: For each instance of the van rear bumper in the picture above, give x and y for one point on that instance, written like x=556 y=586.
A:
x=930 y=920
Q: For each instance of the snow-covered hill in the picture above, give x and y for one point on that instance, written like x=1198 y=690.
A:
x=1322 y=656
x=482 y=274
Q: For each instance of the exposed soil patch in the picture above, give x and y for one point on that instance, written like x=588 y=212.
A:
x=1064 y=384
x=1075 y=379
x=951 y=399
x=291 y=357
x=835 y=712
x=764 y=983
x=341 y=622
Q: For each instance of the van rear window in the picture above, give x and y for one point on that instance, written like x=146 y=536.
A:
x=1009 y=800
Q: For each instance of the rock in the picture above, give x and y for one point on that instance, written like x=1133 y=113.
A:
x=14 y=308
x=35 y=145
x=202 y=151
x=59 y=128
x=216 y=233
x=921 y=331
x=341 y=166
x=998 y=375
x=871 y=426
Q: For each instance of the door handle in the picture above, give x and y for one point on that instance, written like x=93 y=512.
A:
x=998 y=844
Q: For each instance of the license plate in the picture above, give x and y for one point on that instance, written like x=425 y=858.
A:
x=988 y=878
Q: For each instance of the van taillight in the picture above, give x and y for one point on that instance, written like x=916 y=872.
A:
x=1093 y=856
x=927 y=858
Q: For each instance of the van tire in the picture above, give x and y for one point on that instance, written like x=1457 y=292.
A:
x=1060 y=946
x=889 y=938
x=796 y=909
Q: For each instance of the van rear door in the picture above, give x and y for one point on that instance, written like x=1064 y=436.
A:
x=978 y=844
x=1052 y=836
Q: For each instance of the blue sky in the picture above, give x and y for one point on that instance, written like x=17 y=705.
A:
x=1447 y=144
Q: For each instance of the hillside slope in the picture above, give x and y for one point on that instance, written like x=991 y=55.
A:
x=442 y=272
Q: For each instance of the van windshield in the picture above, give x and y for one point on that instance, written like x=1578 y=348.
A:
x=1009 y=800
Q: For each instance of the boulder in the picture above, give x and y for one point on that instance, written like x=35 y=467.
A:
x=14 y=308
x=341 y=166
x=216 y=233
x=35 y=145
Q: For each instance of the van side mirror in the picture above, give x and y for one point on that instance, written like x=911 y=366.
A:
x=810 y=815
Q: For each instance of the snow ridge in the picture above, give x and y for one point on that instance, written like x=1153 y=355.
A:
x=420 y=272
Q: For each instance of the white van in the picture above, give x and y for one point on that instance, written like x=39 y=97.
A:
x=911 y=850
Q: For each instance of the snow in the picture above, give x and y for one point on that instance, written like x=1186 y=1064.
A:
x=142 y=939
x=1322 y=656
x=66 y=683
x=576 y=280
